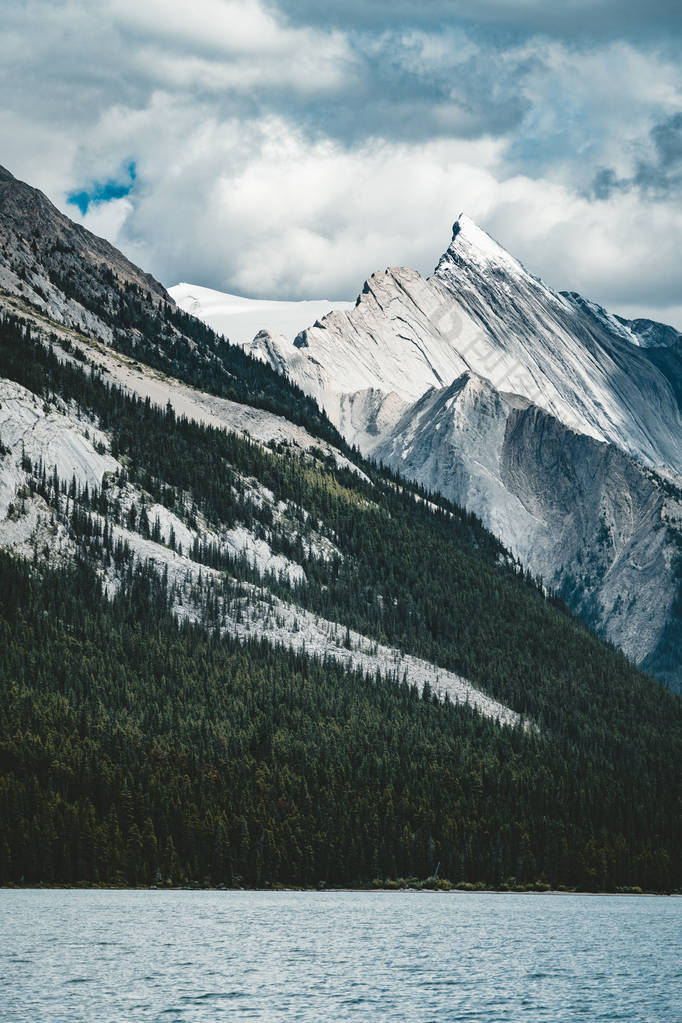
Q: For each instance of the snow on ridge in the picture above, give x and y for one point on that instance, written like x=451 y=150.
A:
x=240 y=319
x=480 y=247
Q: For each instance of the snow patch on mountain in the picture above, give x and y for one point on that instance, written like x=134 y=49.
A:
x=240 y=319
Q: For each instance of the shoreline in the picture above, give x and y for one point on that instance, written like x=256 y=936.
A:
x=330 y=889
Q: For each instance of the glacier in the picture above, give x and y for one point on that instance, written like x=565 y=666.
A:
x=241 y=319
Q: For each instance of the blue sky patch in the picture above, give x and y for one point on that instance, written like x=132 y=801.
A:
x=104 y=191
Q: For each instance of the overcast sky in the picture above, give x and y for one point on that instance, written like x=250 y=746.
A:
x=288 y=148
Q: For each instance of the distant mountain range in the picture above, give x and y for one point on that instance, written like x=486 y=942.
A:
x=555 y=421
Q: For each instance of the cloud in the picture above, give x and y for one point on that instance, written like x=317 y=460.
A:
x=218 y=27
x=291 y=218
x=107 y=218
x=658 y=173
x=103 y=192
x=667 y=138
x=291 y=150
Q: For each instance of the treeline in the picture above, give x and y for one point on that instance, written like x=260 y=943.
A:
x=133 y=750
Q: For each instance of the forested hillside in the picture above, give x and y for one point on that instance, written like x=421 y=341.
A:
x=135 y=751
x=145 y=749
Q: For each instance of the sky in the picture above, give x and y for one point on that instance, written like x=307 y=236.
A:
x=290 y=148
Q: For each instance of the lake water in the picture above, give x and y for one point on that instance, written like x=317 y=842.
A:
x=127 y=957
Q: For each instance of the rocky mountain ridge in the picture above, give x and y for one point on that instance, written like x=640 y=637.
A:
x=556 y=422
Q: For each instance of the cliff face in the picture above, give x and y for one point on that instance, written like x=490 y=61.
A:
x=598 y=527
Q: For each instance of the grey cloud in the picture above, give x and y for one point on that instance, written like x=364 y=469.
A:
x=397 y=83
x=466 y=105
x=667 y=138
x=657 y=176
x=605 y=183
x=400 y=93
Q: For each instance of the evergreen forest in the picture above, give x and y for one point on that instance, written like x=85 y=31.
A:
x=137 y=749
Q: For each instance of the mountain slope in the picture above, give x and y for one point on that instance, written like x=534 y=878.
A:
x=261 y=773
x=57 y=268
x=596 y=526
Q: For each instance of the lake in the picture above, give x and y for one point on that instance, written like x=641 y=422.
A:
x=129 y=956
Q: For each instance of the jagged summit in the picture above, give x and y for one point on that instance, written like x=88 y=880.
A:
x=467 y=227
x=5 y=174
x=484 y=383
x=472 y=247
x=483 y=311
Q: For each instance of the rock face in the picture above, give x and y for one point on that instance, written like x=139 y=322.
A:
x=481 y=311
x=556 y=422
x=598 y=527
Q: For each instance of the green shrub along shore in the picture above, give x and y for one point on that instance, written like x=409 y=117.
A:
x=401 y=884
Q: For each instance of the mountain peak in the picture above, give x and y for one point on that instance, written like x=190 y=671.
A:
x=472 y=243
x=464 y=223
x=5 y=175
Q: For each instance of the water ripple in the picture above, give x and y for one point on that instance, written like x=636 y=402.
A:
x=343 y=957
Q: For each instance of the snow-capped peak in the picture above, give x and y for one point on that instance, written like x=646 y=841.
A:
x=481 y=311
x=476 y=247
